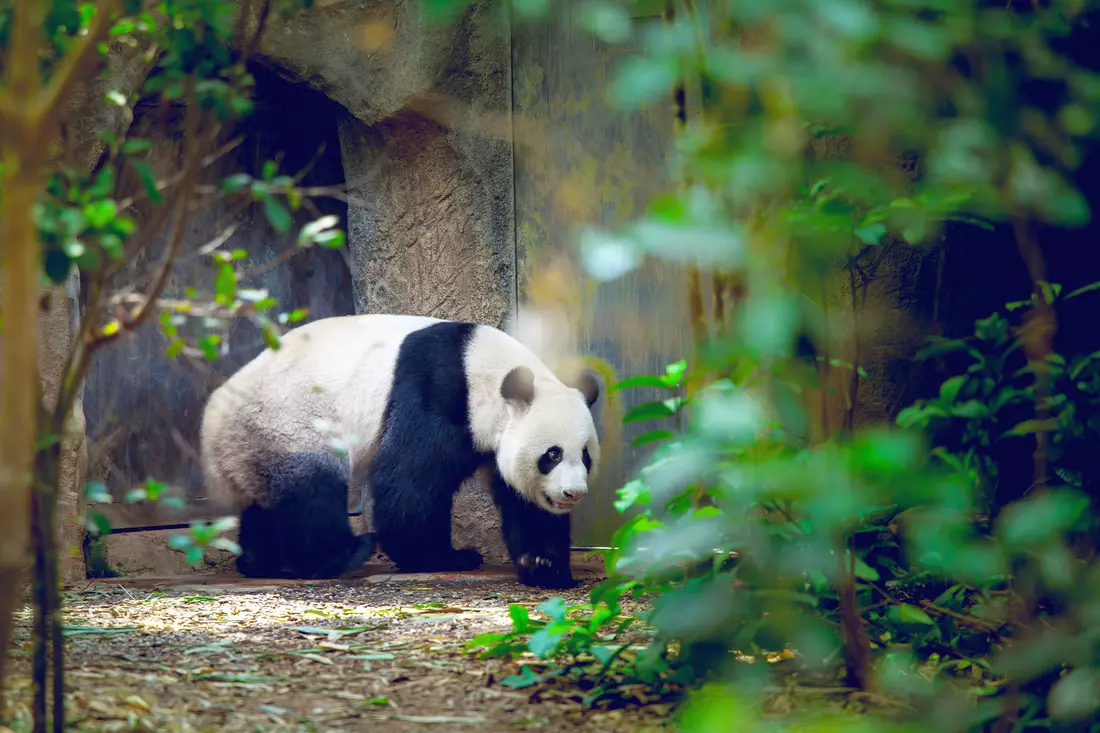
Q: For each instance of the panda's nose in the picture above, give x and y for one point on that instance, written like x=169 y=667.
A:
x=575 y=494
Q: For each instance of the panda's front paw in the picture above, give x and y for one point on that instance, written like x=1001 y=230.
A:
x=544 y=571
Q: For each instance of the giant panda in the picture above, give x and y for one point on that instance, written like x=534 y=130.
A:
x=424 y=404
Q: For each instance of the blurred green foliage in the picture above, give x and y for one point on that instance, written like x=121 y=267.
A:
x=905 y=560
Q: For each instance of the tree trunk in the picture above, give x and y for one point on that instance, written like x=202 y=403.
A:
x=18 y=379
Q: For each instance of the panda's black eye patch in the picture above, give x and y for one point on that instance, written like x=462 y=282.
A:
x=587 y=460
x=549 y=459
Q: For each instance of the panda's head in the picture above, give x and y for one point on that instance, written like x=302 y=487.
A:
x=549 y=448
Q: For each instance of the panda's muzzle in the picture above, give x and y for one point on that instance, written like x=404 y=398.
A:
x=570 y=498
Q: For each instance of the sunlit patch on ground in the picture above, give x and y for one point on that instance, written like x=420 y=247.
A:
x=318 y=656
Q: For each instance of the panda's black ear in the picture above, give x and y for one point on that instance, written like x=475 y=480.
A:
x=589 y=387
x=519 y=384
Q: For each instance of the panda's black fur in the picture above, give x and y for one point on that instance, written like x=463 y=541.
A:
x=427 y=414
x=304 y=531
x=296 y=525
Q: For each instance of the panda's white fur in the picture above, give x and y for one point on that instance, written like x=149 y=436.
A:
x=275 y=403
x=341 y=371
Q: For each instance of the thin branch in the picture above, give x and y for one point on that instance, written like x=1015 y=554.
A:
x=53 y=100
x=26 y=37
x=83 y=351
x=172 y=180
x=151 y=229
x=179 y=229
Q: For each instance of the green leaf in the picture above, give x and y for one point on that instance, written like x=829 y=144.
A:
x=642 y=380
x=603 y=652
x=310 y=231
x=940 y=347
x=488 y=639
x=871 y=234
x=104 y=183
x=912 y=615
x=521 y=619
x=194 y=555
x=225 y=284
x=949 y=390
x=650 y=411
x=294 y=316
x=554 y=608
x=640 y=81
x=209 y=345
x=1040 y=517
x=674 y=373
x=608 y=22
x=96 y=493
x=270 y=334
x=179 y=541
x=1082 y=290
x=100 y=213
x=971 y=409
x=154 y=488
x=136 y=145
x=543 y=643
x=148 y=181
x=525 y=678
x=1029 y=427
x=98 y=524
x=277 y=215
x=634 y=492
x=652 y=436
x=993 y=329
x=236 y=182
x=887 y=452
x=865 y=571
x=331 y=239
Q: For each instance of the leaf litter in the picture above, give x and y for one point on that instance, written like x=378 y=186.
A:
x=325 y=656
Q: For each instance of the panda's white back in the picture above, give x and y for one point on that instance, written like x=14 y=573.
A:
x=335 y=370
x=340 y=371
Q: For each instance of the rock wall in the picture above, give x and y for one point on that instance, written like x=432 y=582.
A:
x=429 y=220
x=430 y=224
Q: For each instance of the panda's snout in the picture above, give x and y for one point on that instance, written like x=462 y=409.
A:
x=575 y=493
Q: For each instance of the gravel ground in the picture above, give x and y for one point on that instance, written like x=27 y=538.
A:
x=219 y=653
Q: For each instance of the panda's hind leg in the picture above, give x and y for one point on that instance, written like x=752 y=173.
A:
x=304 y=531
x=261 y=545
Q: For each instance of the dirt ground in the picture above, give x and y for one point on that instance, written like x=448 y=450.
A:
x=382 y=652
